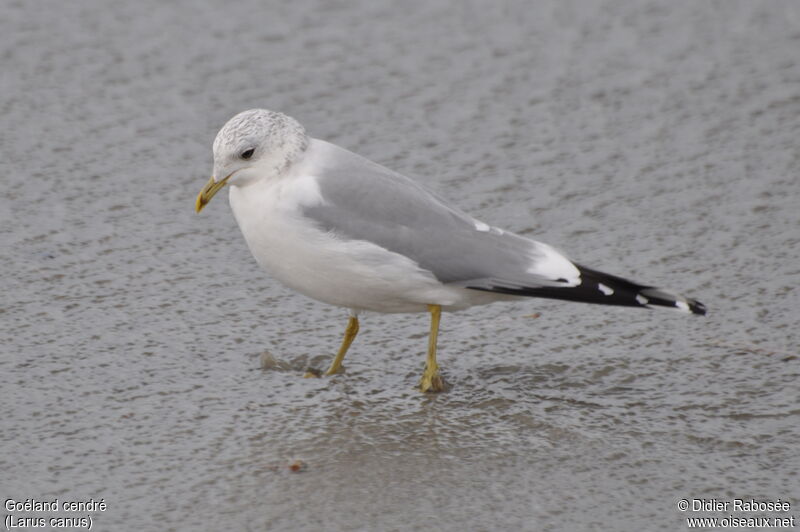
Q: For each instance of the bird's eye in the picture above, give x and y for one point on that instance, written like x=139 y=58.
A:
x=246 y=154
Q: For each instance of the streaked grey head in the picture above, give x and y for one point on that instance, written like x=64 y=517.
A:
x=257 y=139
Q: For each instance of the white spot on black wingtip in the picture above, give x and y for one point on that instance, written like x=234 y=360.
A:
x=480 y=226
x=683 y=306
x=605 y=289
x=641 y=299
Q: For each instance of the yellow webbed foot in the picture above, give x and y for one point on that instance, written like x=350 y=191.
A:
x=433 y=384
x=431 y=380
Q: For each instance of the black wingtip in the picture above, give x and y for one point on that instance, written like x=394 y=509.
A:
x=605 y=289
x=697 y=308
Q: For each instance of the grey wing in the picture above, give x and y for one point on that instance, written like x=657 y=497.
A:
x=365 y=201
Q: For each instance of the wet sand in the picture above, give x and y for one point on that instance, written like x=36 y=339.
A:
x=657 y=141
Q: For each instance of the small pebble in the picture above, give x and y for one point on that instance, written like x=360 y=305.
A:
x=297 y=466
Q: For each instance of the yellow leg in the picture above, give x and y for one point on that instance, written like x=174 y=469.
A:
x=349 y=335
x=431 y=380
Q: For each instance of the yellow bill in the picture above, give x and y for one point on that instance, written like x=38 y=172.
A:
x=211 y=188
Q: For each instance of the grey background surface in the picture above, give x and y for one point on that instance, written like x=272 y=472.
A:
x=655 y=140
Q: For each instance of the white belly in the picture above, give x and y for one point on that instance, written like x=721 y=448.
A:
x=348 y=273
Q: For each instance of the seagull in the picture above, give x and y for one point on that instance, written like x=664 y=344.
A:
x=346 y=231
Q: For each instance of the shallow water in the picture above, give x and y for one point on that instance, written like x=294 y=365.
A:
x=651 y=140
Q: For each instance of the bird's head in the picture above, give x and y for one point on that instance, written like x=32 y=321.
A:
x=253 y=144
